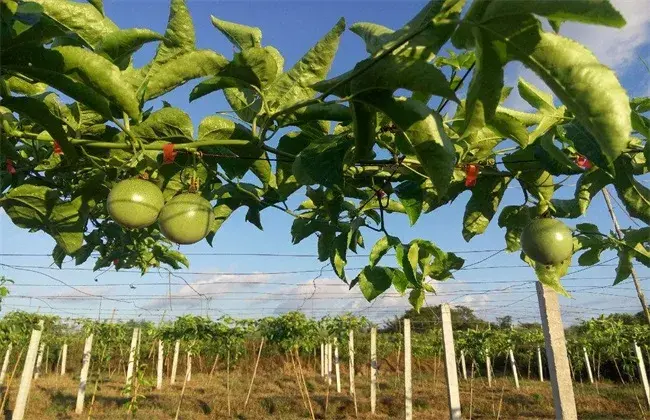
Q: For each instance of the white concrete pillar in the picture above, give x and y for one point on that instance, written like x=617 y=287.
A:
x=39 y=361
x=540 y=366
x=588 y=365
x=177 y=348
x=5 y=364
x=463 y=365
x=373 y=369
x=351 y=360
x=453 y=393
x=83 y=377
x=134 y=345
x=337 y=367
x=64 y=357
x=513 y=365
x=159 y=370
x=28 y=372
x=642 y=373
x=408 y=385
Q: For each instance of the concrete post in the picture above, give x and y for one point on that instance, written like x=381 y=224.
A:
x=408 y=385
x=5 y=364
x=453 y=393
x=556 y=354
x=177 y=348
x=373 y=369
x=159 y=370
x=513 y=365
x=488 y=367
x=322 y=359
x=540 y=366
x=64 y=357
x=329 y=363
x=337 y=367
x=642 y=372
x=188 y=366
x=134 y=345
x=39 y=360
x=588 y=365
x=462 y=364
x=351 y=360
x=28 y=372
x=83 y=378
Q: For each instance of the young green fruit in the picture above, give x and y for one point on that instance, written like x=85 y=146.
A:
x=135 y=203
x=185 y=219
x=547 y=241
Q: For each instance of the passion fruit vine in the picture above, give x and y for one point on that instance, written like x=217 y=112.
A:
x=547 y=241
x=135 y=203
x=185 y=219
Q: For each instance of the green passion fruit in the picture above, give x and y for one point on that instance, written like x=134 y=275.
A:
x=547 y=241
x=135 y=203
x=185 y=219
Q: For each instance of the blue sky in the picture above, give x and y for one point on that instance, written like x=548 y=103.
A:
x=293 y=27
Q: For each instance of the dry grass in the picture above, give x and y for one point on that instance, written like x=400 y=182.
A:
x=276 y=395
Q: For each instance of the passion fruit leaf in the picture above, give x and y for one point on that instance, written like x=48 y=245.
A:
x=640 y=104
x=242 y=36
x=535 y=179
x=221 y=213
x=84 y=20
x=67 y=224
x=322 y=162
x=374 y=35
x=483 y=204
x=509 y=127
x=182 y=69
x=294 y=86
x=411 y=196
x=599 y=12
x=381 y=247
x=215 y=84
x=641 y=124
x=39 y=112
x=416 y=299
x=325 y=241
x=98 y=4
x=424 y=130
x=587 y=186
x=634 y=195
x=170 y=125
x=373 y=281
x=534 y=96
x=514 y=219
x=119 y=45
x=179 y=35
x=317 y=113
x=550 y=275
x=338 y=258
x=102 y=81
x=624 y=267
x=18 y=85
x=555 y=160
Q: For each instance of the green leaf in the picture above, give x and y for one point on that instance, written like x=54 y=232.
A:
x=550 y=275
x=624 y=268
x=416 y=299
x=325 y=243
x=170 y=125
x=221 y=213
x=183 y=68
x=424 y=131
x=317 y=113
x=514 y=219
x=641 y=104
x=84 y=20
x=374 y=35
x=411 y=196
x=509 y=127
x=322 y=161
x=95 y=78
x=294 y=86
x=215 y=84
x=591 y=256
x=39 y=112
x=29 y=206
x=118 y=46
x=98 y=4
x=373 y=281
x=534 y=96
x=179 y=35
x=587 y=228
x=67 y=224
x=634 y=195
x=483 y=204
x=381 y=248
x=555 y=160
x=242 y=36
x=18 y=85
x=640 y=124
x=597 y=12
x=537 y=182
x=587 y=186
x=338 y=257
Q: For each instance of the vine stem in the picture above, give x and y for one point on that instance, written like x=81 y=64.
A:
x=635 y=279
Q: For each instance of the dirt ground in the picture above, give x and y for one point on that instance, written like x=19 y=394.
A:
x=276 y=394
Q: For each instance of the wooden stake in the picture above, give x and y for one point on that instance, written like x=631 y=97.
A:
x=177 y=348
x=353 y=391
x=373 y=369
x=83 y=378
x=311 y=409
x=28 y=372
x=408 y=386
x=180 y=401
x=556 y=354
x=642 y=372
x=5 y=364
x=214 y=366
x=228 y=381
x=257 y=362
x=451 y=372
